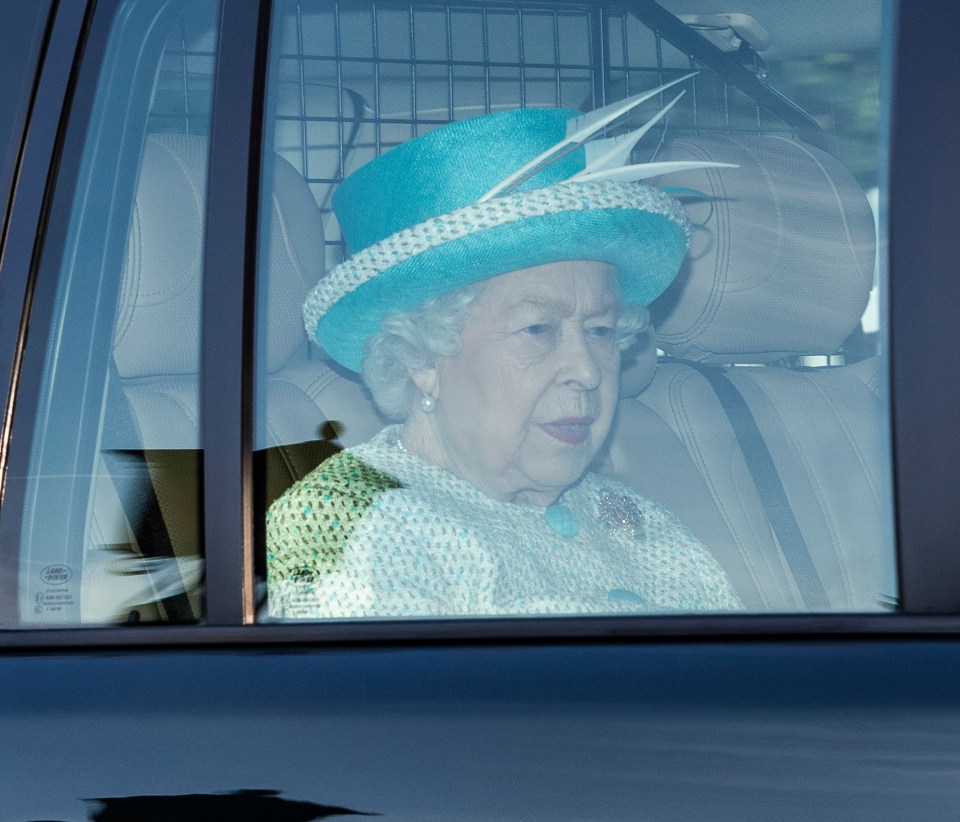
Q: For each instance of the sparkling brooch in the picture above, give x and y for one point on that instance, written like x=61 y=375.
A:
x=620 y=512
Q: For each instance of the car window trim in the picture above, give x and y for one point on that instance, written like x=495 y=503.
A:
x=26 y=241
x=60 y=167
x=32 y=188
x=924 y=296
x=227 y=350
x=22 y=107
x=521 y=632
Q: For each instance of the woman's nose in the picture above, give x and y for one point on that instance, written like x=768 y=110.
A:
x=578 y=362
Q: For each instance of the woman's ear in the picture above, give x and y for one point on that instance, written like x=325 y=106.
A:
x=638 y=363
x=427 y=381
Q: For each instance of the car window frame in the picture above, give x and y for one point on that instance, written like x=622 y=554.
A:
x=22 y=62
x=926 y=442
x=29 y=216
x=926 y=515
x=52 y=230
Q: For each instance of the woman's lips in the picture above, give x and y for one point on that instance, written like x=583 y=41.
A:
x=570 y=430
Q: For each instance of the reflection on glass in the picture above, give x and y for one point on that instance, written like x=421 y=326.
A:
x=198 y=807
x=503 y=446
x=109 y=524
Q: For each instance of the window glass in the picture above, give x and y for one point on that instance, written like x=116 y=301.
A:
x=535 y=383
x=105 y=510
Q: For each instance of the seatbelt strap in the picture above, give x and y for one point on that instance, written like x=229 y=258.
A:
x=765 y=476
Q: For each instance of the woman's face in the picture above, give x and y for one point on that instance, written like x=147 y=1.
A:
x=525 y=405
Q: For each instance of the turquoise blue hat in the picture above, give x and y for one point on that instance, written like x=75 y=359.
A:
x=482 y=197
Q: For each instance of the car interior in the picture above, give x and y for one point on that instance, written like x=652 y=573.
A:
x=754 y=409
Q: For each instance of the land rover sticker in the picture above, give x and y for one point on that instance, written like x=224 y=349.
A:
x=56 y=574
x=56 y=598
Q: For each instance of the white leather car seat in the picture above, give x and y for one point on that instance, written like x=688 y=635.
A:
x=781 y=266
x=154 y=403
x=156 y=344
x=146 y=503
x=157 y=336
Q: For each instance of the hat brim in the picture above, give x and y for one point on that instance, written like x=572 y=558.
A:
x=646 y=249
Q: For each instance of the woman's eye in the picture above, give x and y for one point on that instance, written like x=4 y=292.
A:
x=537 y=329
x=602 y=331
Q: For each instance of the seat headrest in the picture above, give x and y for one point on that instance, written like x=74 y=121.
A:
x=158 y=315
x=783 y=262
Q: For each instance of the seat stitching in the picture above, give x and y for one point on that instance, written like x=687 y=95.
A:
x=709 y=311
x=843 y=214
x=858 y=453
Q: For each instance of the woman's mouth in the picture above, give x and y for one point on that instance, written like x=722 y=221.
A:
x=570 y=430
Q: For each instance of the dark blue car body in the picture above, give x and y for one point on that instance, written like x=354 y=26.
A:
x=722 y=717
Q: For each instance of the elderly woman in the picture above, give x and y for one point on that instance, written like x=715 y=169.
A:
x=502 y=267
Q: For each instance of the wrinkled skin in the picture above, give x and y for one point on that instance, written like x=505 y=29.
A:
x=524 y=406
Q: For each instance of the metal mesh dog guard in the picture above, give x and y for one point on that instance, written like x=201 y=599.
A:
x=353 y=79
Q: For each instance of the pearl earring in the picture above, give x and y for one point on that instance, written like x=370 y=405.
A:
x=427 y=404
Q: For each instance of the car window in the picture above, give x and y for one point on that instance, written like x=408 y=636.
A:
x=735 y=454
x=104 y=510
x=559 y=310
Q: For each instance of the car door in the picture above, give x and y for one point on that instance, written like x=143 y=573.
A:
x=169 y=174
